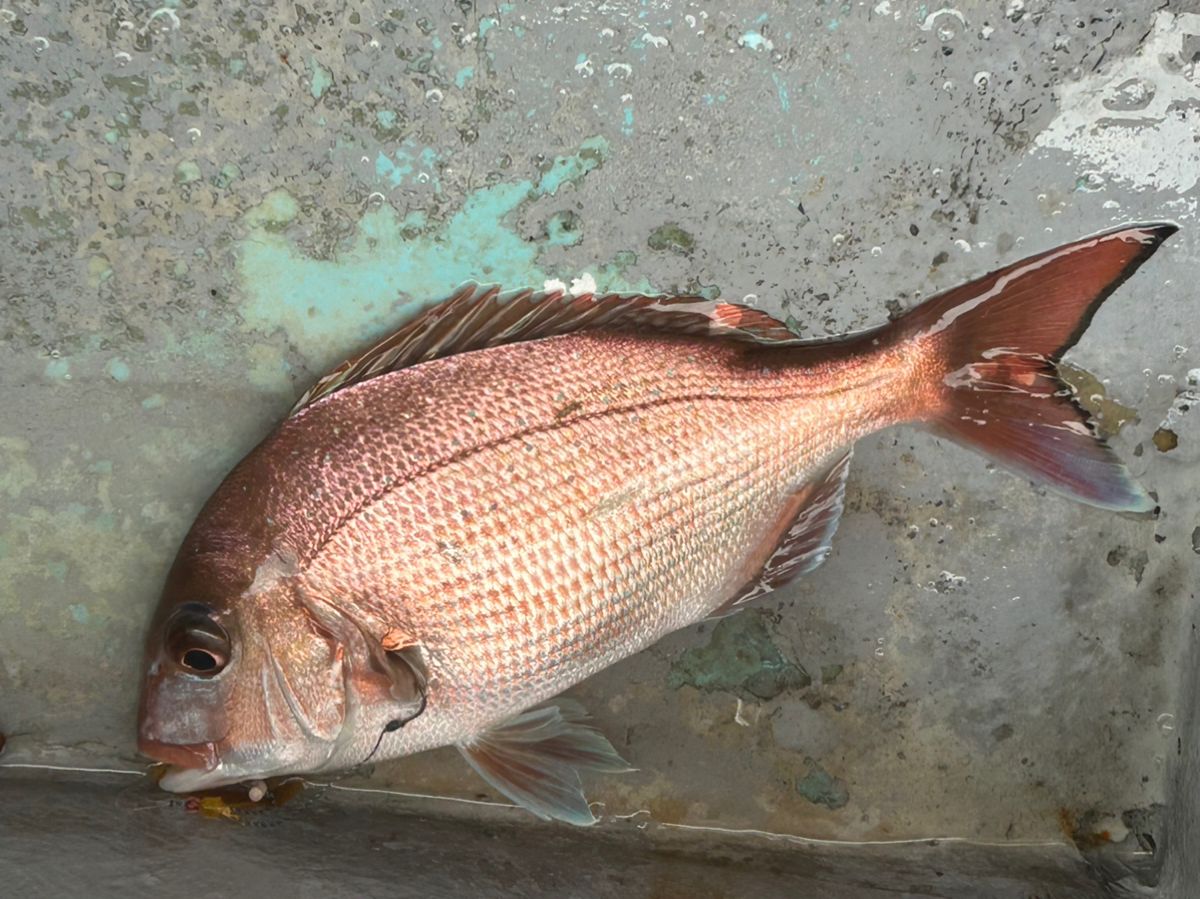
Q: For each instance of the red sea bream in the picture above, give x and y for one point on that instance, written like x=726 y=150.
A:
x=515 y=491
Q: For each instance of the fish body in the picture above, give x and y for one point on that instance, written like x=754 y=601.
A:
x=471 y=517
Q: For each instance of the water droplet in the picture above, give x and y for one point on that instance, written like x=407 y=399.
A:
x=946 y=32
x=839 y=239
x=1090 y=182
x=982 y=80
x=876 y=251
x=1166 y=723
x=434 y=95
x=879 y=648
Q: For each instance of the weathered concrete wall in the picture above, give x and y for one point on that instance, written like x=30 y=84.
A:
x=208 y=204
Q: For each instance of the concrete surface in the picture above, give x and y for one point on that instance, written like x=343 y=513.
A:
x=207 y=204
x=121 y=842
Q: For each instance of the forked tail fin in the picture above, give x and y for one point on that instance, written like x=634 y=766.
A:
x=998 y=339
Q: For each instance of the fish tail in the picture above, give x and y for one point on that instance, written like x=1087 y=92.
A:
x=992 y=346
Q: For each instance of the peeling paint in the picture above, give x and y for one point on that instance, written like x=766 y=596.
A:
x=393 y=266
x=1137 y=117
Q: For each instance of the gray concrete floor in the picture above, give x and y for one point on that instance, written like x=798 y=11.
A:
x=207 y=204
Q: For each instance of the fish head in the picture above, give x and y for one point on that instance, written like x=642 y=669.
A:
x=241 y=681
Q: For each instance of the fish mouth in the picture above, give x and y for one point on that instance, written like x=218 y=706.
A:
x=194 y=757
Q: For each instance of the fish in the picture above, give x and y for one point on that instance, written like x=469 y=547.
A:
x=516 y=490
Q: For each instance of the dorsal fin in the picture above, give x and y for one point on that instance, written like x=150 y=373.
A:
x=477 y=316
x=802 y=539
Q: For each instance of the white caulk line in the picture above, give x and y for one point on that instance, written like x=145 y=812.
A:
x=331 y=786
x=793 y=838
x=71 y=768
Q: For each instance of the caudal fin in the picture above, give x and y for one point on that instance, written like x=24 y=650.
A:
x=998 y=340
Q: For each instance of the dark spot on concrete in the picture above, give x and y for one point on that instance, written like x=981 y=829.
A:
x=822 y=788
x=830 y=673
x=671 y=237
x=1136 y=562
x=740 y=658
x=1002 y=733
x=1196 y=540
x=1165 y=440
x=940 y=258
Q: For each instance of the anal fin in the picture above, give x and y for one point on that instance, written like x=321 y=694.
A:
x=535 y=758
x=801 y=539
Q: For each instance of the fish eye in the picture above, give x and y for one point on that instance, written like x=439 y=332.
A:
x=195 y=641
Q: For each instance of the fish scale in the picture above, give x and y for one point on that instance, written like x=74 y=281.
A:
x=746 y=439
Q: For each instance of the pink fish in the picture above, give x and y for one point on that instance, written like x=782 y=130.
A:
x=513 y=492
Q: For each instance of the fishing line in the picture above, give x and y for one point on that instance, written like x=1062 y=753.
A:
x=395 y=724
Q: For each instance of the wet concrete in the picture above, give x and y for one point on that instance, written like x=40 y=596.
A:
x=207 y=205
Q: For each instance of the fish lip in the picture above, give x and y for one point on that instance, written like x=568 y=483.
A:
x=186 y=756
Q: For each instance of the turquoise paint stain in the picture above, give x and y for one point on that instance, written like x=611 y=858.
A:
x=79 y=613
x=118 y=371
x=564 y=229
x=406 y=163
x=59 y=369
x=761 y=19
x=57 y=570
x=565 y=169
x=321 y=78
x=386 y=118
x=752 y=40
x=627 y=125
x=785 y=102
x=389 y=171
x=463 y=75
x=833 y=25
x=436 y=43
x=392 y=267
x=154 y=401
x=486 y=24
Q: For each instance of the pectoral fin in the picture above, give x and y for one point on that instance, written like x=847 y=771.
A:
x=535 y=758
